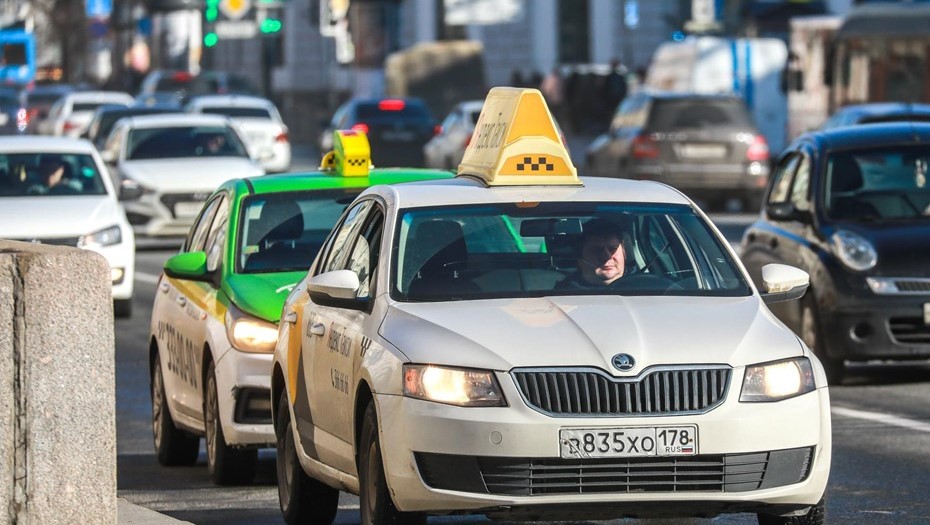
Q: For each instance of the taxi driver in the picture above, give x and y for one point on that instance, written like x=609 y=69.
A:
x=601 y=256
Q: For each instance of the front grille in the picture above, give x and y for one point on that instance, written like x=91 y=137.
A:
x=913 y=285
x=171 y=199
x=909 y=330
x=550 y=476
x=591 y=392
x=57 y=241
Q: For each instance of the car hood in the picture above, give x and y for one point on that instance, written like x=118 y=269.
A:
x=26 y=218
x=189 y=174
x=899 y=255
x=262 y=294
x=501 y=334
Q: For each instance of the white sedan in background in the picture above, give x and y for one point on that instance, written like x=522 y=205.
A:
x=71 y=115
x=445 y=150
x=80 y=210
x=167 y=166
x=263 y=128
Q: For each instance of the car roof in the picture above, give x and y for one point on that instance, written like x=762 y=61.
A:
x=38 y=144
x=870 y=135
x=80 y=96
x=232 y=100
x=321 y=180
x=674 y=95
x=467 y=190
x=177 y=119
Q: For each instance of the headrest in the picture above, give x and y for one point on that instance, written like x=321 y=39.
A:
x=846 y=175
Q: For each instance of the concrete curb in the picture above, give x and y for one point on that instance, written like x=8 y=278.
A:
x=130 y=514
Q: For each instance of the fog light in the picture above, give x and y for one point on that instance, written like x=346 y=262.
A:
x=860 y=332
x=253 y=406
x=116 y=275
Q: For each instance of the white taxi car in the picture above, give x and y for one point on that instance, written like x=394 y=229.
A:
x=80 y=210
x=167 y=165
x=262 y=127
x=523 y=343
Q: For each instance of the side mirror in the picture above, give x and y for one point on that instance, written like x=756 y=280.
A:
x=336 y=288
x=130 y=190
x=783 y=283
x=108 y=156
x=786 y=211
x=191 y=266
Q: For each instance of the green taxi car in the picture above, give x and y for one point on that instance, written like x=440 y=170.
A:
x=218 y=303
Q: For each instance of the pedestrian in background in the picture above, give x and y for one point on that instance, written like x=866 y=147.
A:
x=615 y=86
x=551 y=88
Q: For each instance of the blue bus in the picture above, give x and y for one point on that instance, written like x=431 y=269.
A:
x=17 y=57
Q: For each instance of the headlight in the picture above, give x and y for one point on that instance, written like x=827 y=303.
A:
x=105 y=237
x=778 y=380
x=250 y=334
x=453 y=386
x=853 y=250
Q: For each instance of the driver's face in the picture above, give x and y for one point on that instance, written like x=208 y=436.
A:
x=602 y=259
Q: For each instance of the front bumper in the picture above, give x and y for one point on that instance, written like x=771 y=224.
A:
x=164 y=214
x=243 y=382
x=509 y=439
x=880 y=327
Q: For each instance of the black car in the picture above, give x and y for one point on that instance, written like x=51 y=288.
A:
x=106 y=116
x=397 y=128
x=707 y=146
x=878 y=112
x=851 y=206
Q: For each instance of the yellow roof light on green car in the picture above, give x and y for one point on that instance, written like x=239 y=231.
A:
x=351 y=154
x=516 y=143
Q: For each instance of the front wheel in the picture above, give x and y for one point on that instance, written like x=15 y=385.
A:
x=811 y=334
x=173 y=446
x=304 y=500
x=227 y=465
x=375 y=501
x=815 y=516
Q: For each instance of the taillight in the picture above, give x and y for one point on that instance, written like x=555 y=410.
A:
x=391 y=104
x=282 y=137
x=644 y=147
x=68 y=125
x=758 y=150
x=361 y=127
x=437 y=129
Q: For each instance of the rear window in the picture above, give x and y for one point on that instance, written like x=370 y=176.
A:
x=906 y=117
x=698 y=113
x=239 y=112
x=174 y=83
x=85 y=106
x=369 y=111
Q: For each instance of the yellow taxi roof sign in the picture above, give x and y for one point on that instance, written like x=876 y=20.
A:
x=516 y=143
x=351 y=154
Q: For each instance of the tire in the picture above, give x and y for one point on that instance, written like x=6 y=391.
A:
x=810 y=333
x=227 y=465
x=173 y=446
x=815 y=516
x=375 y=501
x=304 y=500
x=122 y=308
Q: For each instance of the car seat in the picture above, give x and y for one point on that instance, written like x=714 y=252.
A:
x=845 y=182
x=441 y=245
x=278 y=230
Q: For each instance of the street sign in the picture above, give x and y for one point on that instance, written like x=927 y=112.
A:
x=236 y=29
x=235 y=9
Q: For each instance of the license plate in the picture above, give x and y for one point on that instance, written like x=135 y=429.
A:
x=927 y=313
x=397 y=136
x=702 y=151
x=585 y=443
x=187 y=209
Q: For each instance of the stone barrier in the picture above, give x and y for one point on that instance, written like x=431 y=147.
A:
x=57 y=387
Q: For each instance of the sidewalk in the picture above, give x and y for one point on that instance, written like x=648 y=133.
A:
x=131 y=514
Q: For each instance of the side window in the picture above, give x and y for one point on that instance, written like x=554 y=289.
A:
x=800 y=187
x=781 y=180
x=216 y=240
x=364 y=258
x=199 y=231
x=340 y=244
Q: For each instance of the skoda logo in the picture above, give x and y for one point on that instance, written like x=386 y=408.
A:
x=623 y=362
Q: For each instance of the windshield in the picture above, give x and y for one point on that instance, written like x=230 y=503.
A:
x=514 y=250
x=184 y=141
x=49 y=174
x=242 y=112
x=878 y=184
x=283 y=231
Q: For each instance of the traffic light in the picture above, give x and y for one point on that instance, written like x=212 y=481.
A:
x=211 y=12
x=210 y=39
x=270 y=25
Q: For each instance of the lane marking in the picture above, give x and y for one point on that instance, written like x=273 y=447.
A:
x=886 y=419
x=146 y=278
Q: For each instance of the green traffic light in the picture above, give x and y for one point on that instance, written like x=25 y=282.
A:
x=210 y=39
x=270 y=25
x=210 y=14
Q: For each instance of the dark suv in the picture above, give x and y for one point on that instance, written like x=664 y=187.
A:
x=707 y=146
x=397 y=128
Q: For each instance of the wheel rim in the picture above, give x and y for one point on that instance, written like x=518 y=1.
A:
x=286 y=468
x=210 y=421
x=371 y=483
x=157 y=399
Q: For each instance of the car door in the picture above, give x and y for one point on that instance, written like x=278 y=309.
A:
x=173 y=314
x=330 y=341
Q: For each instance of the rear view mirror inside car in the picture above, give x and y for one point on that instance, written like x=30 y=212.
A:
x=547 y=227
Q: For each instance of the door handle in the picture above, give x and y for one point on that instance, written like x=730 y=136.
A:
x=317 y=329
x=182 y=300
x=163 y=286
x=291 y=318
